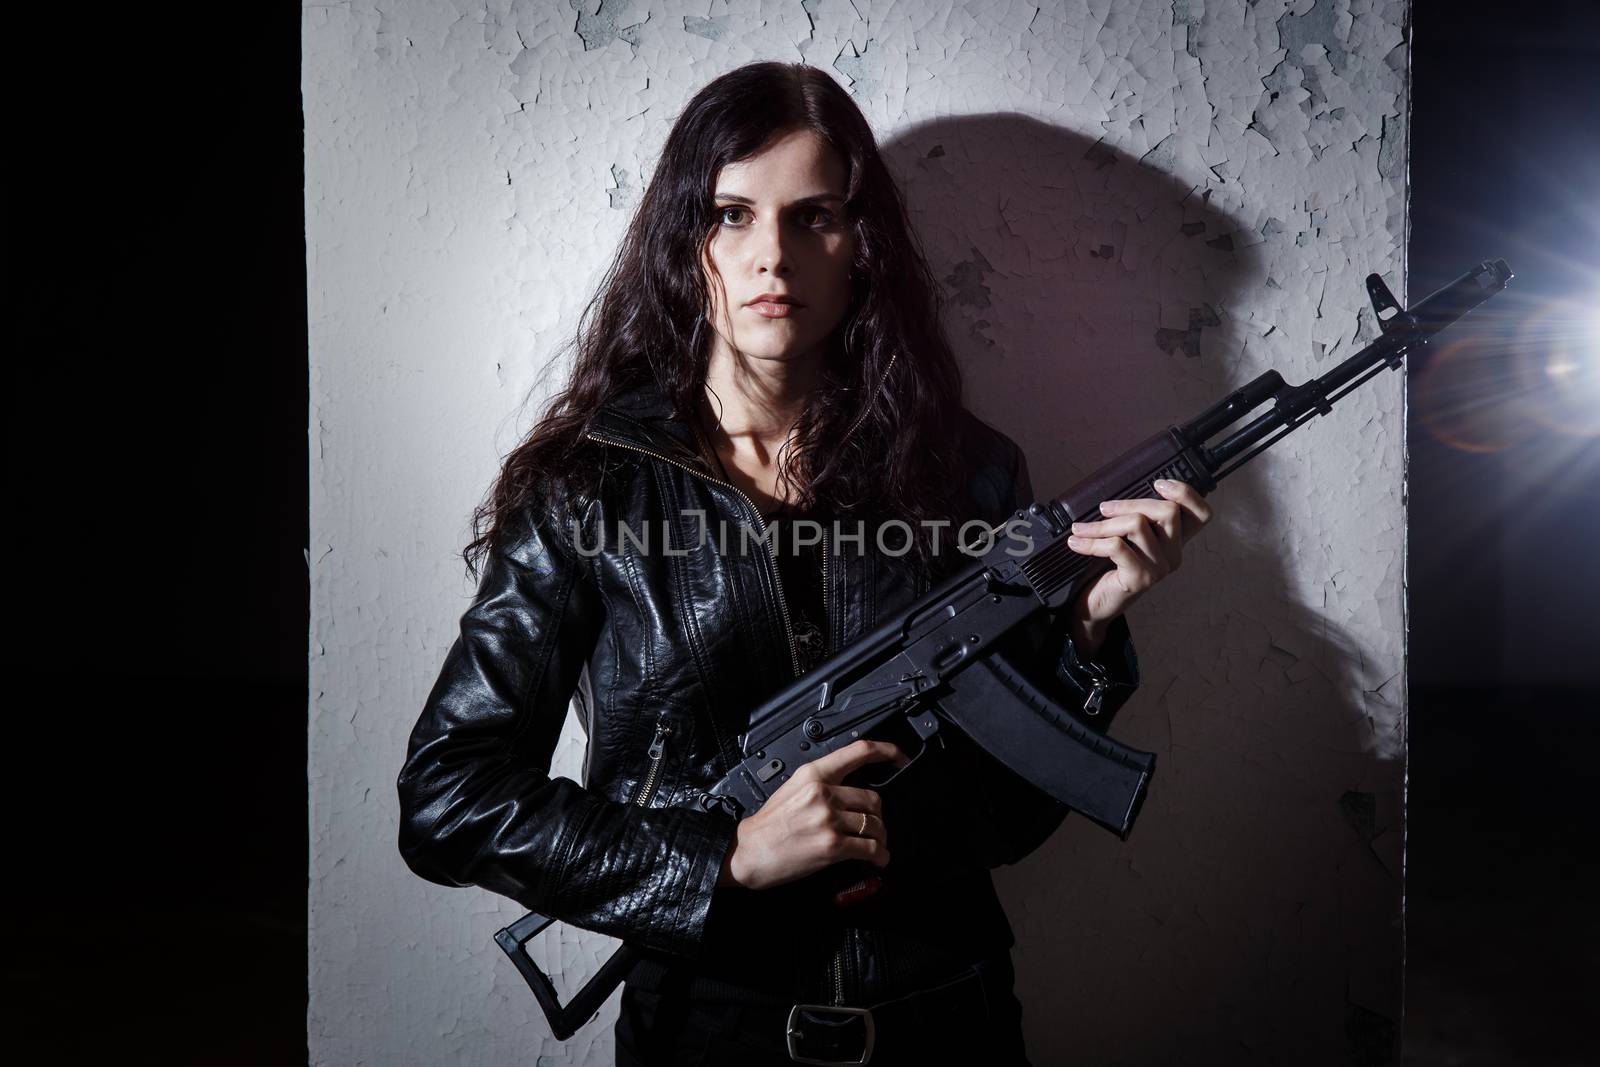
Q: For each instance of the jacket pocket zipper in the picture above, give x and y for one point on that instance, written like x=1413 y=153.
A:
x=657 y=751
x=1096 y=699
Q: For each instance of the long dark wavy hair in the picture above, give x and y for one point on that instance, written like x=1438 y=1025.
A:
x=875 y=439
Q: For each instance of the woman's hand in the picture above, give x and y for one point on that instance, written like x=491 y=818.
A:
x=812 y=822
x=1144 y=538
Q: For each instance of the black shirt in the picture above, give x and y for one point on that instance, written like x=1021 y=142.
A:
x=797 y=539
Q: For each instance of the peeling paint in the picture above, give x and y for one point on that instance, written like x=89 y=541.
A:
x=621 y=192
x=859 y=67
x=598 y=27
x=712 y=29
x=1388 y=145
x=966 y=281
x=1359 y=810
x=1315 y=23
x=1186 y=13
x=1187 y=340
x=1163 y=155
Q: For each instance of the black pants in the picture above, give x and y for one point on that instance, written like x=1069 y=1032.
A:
x=668 y=1027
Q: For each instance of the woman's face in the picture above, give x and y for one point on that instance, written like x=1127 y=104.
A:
x=781 y=231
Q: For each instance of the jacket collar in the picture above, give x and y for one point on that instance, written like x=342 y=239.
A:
x=641 y=416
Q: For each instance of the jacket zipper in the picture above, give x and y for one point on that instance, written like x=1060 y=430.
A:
x=837 y=966
x=657 y=750
x=772 y=548
x=1096 y=698
x=827 y=621
x=837 y=971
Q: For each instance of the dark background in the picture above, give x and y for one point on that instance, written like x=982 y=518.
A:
x=1502 y=938
x=158 y=821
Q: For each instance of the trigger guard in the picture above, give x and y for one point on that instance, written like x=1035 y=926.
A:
x=924 y=725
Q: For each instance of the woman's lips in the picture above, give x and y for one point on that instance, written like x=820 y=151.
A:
x=770 y=310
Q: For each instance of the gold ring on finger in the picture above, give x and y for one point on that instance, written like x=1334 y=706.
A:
x=863 y=831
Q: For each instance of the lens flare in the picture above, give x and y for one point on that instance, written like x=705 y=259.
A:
x=1506 y=378
x=1470 y=398
x=1558 y=358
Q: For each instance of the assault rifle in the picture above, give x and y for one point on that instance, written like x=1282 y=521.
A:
x=934 y=666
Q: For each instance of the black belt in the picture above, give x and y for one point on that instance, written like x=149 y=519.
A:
x=836 y=1035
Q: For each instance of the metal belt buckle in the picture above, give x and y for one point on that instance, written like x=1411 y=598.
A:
x=845 y=1025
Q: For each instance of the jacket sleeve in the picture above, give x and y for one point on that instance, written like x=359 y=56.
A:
x=1002 y=817
x=477 y=803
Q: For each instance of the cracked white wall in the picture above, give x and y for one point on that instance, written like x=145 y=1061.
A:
x=1134 y=206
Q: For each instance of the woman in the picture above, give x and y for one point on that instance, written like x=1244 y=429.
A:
x=764 y=354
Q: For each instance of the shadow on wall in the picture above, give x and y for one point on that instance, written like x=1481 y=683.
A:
x=1254 y=914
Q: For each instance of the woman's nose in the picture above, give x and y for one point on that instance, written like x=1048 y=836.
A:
x=772 y=253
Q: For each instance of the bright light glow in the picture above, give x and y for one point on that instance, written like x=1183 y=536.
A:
x=1560 y=368
x=1558 y=352
x=1495 y=383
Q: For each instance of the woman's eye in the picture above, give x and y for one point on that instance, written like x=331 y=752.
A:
x=811 y=216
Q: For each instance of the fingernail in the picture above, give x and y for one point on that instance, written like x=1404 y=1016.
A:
x=1077 y=542
x=1162 y=483
x=1106 y=506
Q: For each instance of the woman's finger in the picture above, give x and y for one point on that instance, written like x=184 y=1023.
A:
x=861 y=824
x=849 y=798
x=1134 y=529
x=1165 y=515
x=1120 y=525
x=835 y=766
x=1196 y=511
x=863 y=848
x=1134 y=571
x=1151 y=545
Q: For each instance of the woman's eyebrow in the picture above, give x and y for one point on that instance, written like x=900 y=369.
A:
x=815 y=198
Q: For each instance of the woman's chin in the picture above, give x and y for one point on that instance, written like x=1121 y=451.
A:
x=765 y=349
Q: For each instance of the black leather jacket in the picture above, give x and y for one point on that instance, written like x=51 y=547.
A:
x=665 y=654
